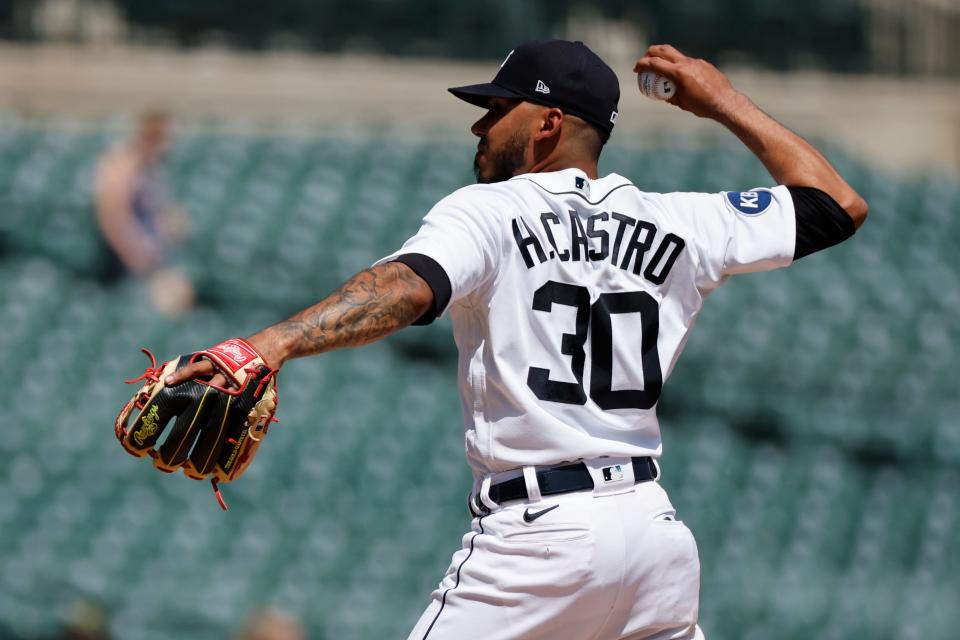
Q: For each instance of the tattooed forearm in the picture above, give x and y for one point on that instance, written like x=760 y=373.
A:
x=371 y=305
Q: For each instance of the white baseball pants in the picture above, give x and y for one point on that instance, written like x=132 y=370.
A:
x=612 y=564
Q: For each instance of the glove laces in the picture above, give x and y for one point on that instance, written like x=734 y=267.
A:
x=216 y=491
x=151 y=373
x=272 y=373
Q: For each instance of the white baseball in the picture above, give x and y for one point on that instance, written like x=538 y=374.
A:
x=655 y=86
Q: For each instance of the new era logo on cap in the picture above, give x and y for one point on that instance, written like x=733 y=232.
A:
x=542 y=88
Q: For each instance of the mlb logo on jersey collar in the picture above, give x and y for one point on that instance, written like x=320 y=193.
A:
x=751 y=203
x=582 y=185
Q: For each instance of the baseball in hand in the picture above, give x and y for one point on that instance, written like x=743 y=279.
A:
x=655 y=86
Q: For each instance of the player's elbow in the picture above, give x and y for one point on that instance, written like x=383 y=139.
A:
x=421 y=298
x=856 y=207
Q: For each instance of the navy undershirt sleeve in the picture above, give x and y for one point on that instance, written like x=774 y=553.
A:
x=821 y=222
x=434 y=275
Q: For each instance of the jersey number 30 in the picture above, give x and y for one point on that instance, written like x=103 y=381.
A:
x=596 y=319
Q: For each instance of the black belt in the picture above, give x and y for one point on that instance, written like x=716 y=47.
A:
x=570 y=477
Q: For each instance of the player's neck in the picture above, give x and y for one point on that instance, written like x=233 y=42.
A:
x=559 y=163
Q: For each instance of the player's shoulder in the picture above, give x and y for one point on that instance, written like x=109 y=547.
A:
x=496 y=196
x=493 y=190
x=726 y=193
x=680 y=197
x=693 y=201
x=752 y=202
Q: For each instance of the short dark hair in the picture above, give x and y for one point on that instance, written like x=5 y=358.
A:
x=592 y=137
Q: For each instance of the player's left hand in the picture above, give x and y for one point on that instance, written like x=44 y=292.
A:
x=702 y=89
x=223 y=409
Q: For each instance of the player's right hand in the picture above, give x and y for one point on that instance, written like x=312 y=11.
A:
x=200 y=369
x=702 y=89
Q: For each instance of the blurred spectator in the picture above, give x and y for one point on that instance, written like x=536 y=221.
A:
x=85 y=621
x=271 y=624
x=139 y=221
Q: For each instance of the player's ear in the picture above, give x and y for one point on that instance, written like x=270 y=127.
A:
x=550 y=122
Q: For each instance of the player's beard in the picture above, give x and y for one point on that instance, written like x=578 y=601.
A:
x=503 y=163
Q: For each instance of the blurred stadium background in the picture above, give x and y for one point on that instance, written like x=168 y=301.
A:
x=812 y=429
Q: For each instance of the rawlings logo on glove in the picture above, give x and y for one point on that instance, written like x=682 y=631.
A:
x=150 y=425
x=234 y=353
x=217 y=429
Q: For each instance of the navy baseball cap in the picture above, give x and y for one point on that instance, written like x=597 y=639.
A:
x=554 y=73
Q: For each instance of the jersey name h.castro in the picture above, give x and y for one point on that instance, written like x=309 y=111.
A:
x=572 y=298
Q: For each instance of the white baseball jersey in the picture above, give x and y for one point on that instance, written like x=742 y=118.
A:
x=572 y=298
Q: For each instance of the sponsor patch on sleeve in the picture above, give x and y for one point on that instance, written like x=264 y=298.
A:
x=751 y=203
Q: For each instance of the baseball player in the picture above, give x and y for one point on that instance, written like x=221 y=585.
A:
x=571 y=297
